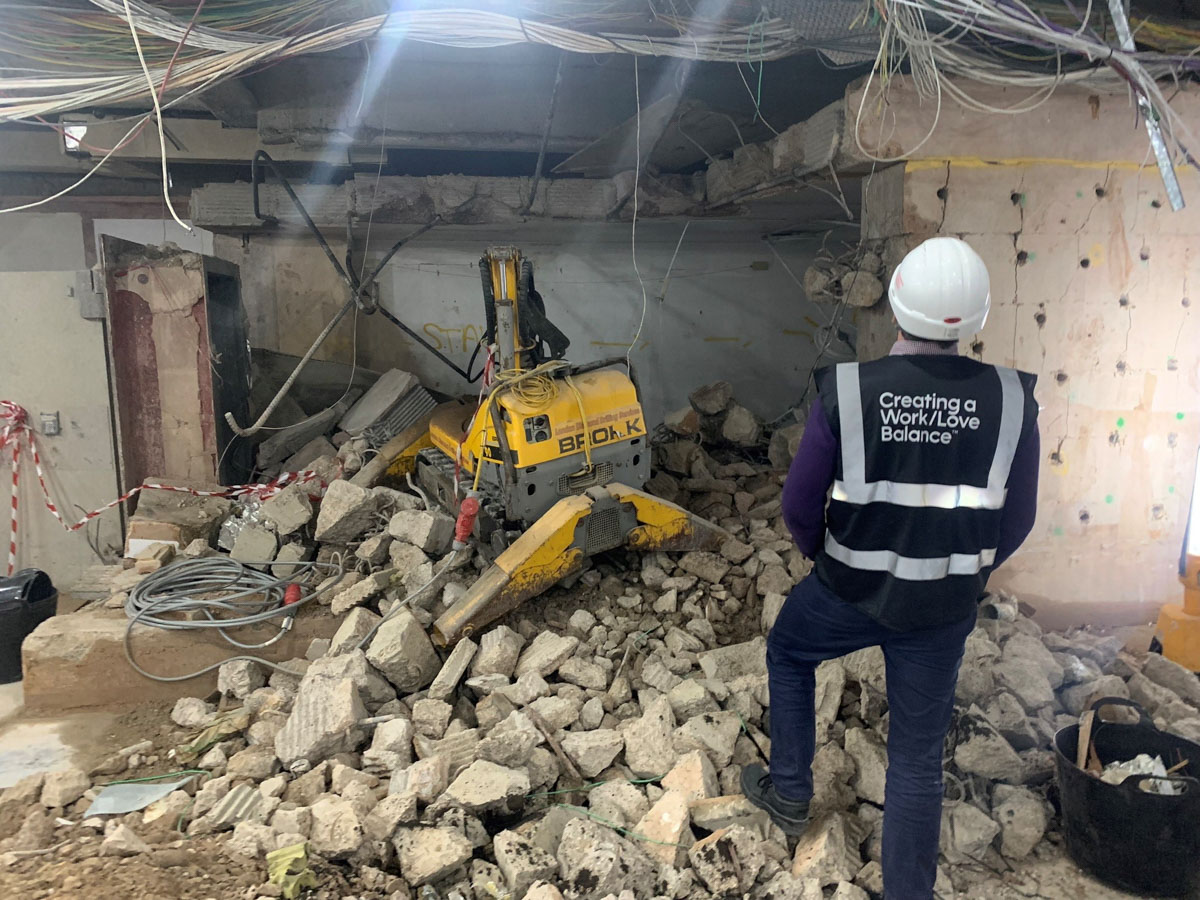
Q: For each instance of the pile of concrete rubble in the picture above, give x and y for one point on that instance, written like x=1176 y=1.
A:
x=590 y=746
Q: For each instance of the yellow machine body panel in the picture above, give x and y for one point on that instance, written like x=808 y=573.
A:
x=1179 y=623
x=545 y=432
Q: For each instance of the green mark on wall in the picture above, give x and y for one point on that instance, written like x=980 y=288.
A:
x=1108 y=498
x=1079 y=193
x=1121 y=423
x=1171 y=489
x=1058 y=532
x=1179 y=415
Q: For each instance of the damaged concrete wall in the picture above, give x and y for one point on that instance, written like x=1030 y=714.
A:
x=730 y=309
x=1091 y=276
x=52 y=360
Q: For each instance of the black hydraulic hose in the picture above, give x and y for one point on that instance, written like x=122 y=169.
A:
x=387 y=257
x=489 y=301
x=255 y=180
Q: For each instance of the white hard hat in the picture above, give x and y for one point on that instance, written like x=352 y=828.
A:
x=940 y=291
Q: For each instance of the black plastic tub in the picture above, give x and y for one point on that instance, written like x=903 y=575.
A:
x=26 y=600
x=1144 y=843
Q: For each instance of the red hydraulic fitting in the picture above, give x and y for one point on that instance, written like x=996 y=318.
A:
x=467 y=511
x=291 y=594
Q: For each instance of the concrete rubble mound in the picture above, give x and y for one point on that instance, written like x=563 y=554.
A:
x=590 y=745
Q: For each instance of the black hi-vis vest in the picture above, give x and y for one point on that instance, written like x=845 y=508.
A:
x=926 y=447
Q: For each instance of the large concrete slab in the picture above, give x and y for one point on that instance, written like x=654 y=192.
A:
x=78 y=660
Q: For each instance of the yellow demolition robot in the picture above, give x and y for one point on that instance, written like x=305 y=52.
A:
x=1178 y=632
x=550 y=452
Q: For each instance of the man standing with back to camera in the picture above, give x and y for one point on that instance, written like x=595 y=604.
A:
x=933 y=463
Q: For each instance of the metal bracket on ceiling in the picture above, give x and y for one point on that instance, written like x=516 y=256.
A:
x=1162 y=155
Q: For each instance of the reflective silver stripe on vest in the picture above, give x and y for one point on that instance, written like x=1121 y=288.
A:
x=910 y=568
x=854 y=487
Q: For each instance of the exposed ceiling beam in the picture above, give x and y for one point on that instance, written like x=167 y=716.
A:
x=232 y=103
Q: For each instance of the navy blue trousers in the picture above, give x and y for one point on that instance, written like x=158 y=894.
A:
x=922 y=671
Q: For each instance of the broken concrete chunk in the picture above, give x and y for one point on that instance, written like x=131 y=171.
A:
x=62 y=788
x=485 y=785
x=728 y=860
x=372 y=686
x=1027 y=648
x=337 y=830
x=255 y=546
x=250 y=840
x=664 y=829
x=389 y=814
x=346 y=512
x=683 y=422
x=981 y=750
x=239 y=678
x=694 y=776
x=289 y=558
x=1021 y=815
x=360 y=592
x=446 y=682
x=458 y=749
x=192 y=712
x=586 y=674
x=374 y=550
x=593 y=751
x=714 y=733
x=546 y=653
x=1079 y=697
x=595 y=861
x=324 y=721
x=426 y=779
x=712 y=399
x=710 y=566
x=498 y=652
x=256 y=763
x=123 y=841
x=1173 y=677
x=691 y=698
x=828 y=850
x=289 y=510
x=741 y=427
x=967 y=832
x=1008 y=716
x=430 y=854
x=427 y=530
x=649 y=750
x=356 y=626
x=430 y=717
x=1026 y=681
x=522 y=862
x=391 y=747
x=402 y=651
x=736 y=660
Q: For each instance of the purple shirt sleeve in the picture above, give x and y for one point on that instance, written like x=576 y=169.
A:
x=1020 y=507
x=808 y=482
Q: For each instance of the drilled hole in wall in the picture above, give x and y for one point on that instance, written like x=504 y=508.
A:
x=977 y=347
x=1185 y=302
x=941 y=193
x=1061 y=377
x=1084 y=263
x=1124 y=301
x=1015 y=198
x=143 y=278
x=1158 y=511
x=1121 y=366
x=1172 y=365
x=1114 y=438
x=1084 y=516
x=1172 y=440
x=1145 y=254
x=1157 y=204
x=1100 y=192
x=1022 y=257
x=1056 y=457
x=1040 y=318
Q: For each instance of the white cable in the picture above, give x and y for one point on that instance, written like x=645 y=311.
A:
x=162 y=139
x=637 y=174
x=92 y=171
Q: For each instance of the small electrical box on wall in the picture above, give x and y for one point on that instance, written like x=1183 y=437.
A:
x=51 y=426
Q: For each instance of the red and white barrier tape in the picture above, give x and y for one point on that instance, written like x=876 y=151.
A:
x=16 y=435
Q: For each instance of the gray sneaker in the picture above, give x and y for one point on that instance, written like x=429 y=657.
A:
x=790 y=815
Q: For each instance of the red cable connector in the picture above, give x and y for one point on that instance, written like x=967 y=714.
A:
x=291 y=594
x=467 y=511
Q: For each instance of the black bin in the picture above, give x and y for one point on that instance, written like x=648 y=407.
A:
x=26 y=600
x=1140 y=842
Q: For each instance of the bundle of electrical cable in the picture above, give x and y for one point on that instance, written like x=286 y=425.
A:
x=222 y=594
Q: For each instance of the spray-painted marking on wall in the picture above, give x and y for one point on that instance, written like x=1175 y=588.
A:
x=460 y=338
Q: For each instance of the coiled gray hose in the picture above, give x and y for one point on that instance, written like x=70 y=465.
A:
x=219 y=593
